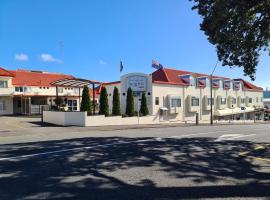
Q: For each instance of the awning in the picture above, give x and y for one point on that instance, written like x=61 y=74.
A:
x=229 y=111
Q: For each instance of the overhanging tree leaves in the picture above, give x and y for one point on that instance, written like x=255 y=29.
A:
x=130 y=103
x=144 y=109
x=116 y=102
x=86 y=102
x=103 y=102
x=240 y=30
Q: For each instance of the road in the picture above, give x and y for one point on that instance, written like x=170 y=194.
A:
x=195 y=162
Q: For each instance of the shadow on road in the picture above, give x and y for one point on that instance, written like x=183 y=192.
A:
x=91 y=173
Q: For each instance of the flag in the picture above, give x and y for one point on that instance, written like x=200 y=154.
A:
x=156 y=64
x=185 y=78
x=201 y=82
x=121 y=66
x=236 y=85
x=216 y=83
x=227 y=84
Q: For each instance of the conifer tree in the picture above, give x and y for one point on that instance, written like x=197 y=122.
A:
x=103 y=102
x=116 y=109
x=86 y=102
x=130 y=103
x=144 y=109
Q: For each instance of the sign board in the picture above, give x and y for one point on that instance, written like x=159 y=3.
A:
x=137 y=83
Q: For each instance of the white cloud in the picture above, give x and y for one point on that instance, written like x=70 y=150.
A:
x=102 y=62
x=21 y=57
x=45 y=57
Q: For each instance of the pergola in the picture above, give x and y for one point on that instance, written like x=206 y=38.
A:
x=76 y=82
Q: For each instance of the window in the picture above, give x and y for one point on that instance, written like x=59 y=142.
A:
x=149 y=93
x=19 y=89
x=223 y=101
x=124 y=94
x=250 y=100
x=3 y=84
x=257 y=99
x=48 y=87
x=60 y=90
x=233 y=100
x=27 y=89
x=209 y=101
x=243 y=100
x=72 y=105
x=261 y=99
x=157 y=101
x=175 y=102
x=2 y=105
x=195 y=101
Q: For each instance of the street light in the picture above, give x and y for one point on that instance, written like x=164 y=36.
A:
x=211 y=93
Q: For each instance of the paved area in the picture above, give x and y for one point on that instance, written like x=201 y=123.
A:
x=190 y=162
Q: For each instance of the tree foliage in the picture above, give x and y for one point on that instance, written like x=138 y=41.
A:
x=144 y=109
x=103 y=102
x=130 y=103
x=86 y=102
x=116 y=109
x=239 y=29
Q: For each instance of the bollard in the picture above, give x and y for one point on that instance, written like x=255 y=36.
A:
x=197 y=119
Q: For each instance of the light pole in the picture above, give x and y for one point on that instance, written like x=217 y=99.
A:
x=211 y=94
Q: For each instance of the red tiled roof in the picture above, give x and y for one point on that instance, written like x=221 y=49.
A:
x=111 y=83
x=31 y=78
x=171 y=76
x=4 y=72
x=249 y=86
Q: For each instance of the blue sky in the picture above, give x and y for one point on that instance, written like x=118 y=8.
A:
x=87 y=38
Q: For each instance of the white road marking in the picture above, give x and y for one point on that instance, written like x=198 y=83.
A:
x=194 y=134
x=232 y=137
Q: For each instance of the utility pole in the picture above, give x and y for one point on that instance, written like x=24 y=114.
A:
x=211 y=93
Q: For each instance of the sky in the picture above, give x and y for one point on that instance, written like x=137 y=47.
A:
x=88 y=38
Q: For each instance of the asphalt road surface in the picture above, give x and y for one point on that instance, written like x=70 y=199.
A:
x=164 y=163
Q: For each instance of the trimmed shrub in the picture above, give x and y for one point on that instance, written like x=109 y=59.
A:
x=144 y=109
x=130 y=103
x=116 y=109
x=86 y=102
x=103 y=102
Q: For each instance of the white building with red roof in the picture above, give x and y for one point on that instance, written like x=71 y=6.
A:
x=172 y=95
x=27 y=92
x=176 y=95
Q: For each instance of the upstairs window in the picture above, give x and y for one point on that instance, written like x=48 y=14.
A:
x=243 y=100
x=250 y=100
x=60 y=90
x=209 y=101
x=195 y=101
x=3 y=84
x=223 y=101
x=233 y=100
x=175 y=102
x=18 y=89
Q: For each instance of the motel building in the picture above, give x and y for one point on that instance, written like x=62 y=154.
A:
x=172 y=95
x=175 y=95
x=28 y=92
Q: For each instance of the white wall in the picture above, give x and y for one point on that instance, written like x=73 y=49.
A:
x=65 y=118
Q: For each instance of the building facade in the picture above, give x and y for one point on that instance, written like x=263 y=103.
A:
x=181 y=95
x=27 y=92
